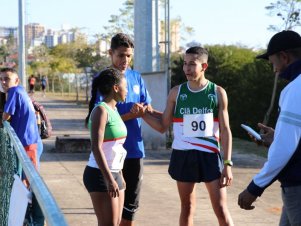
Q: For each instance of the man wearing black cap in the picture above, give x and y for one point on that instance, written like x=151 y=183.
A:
x=284 y=157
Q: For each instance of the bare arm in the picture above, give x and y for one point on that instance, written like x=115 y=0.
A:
x=129 y=116
x=161 y=121
x=225 y=134
x=137 y=111
x=99 y=119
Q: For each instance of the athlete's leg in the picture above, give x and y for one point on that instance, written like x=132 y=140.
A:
x=106 y=208
x=120 y=205
x=187 y=196
x=218 y=197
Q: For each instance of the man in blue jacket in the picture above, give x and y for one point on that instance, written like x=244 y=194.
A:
x=284 y=156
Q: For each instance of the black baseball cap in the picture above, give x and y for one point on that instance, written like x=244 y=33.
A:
x=281 y=41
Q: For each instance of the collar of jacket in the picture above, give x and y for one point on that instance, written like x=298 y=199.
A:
x=292 y=71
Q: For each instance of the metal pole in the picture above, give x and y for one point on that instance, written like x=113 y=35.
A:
x=21 y=52
x=143 y=36
x=157 y=35
x=167 y=45
x=167 y=59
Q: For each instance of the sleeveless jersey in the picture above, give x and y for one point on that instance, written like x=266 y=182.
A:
x=195 y=119
x=114 y=138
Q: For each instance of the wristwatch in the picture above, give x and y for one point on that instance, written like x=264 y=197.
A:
x=228 y=162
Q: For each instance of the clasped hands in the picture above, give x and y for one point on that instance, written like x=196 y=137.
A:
x=140 y=109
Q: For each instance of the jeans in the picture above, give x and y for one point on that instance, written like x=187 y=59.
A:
x=291 y=211
x=39 y=151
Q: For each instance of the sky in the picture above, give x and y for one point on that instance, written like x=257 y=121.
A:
x=226 y=22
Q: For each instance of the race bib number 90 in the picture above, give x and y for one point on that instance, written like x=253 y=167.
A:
x=198 y=125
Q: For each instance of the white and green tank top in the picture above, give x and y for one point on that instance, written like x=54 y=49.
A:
x=114 y=138
x=195 y=119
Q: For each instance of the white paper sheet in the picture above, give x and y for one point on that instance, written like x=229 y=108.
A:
x=20 y=196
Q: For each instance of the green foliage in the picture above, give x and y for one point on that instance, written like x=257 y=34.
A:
x=178 y=75
x=7 y=49
x=3 y=54
x=64 y=50
x=86 y=57
x=247 y=81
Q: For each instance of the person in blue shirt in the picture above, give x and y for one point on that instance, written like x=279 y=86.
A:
x=43 y=85
x=138 y=98
x=19 y=110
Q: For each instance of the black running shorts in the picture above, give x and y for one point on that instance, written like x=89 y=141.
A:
x=195 y=166
x=95 y=182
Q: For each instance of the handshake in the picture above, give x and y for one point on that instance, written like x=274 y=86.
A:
x=139 y=109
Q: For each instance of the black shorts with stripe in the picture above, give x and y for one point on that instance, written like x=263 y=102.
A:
x=195 y=166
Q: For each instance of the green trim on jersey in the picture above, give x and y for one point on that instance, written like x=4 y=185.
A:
x=191 y=102
x=115 y=128
x=196 y=102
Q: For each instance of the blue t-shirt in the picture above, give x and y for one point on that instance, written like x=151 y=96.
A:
x=137 y=93
x=23 y=118
x=43 y=82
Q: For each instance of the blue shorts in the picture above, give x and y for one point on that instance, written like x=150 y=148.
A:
x=94 y=181
x=195 y=166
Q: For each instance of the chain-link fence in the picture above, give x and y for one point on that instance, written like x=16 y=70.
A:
x=13 y=159
x=68 y=84
x=8 y=167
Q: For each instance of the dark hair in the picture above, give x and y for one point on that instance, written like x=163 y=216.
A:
x=106 y=80
x=8 y=69
x=103 y=83
x=200 y=51
x=121 y=39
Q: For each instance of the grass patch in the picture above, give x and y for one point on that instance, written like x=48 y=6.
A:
x=248 y=147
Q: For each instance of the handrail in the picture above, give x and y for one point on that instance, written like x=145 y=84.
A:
x=50 y=209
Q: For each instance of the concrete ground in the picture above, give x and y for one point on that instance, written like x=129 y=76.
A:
x=160 y=205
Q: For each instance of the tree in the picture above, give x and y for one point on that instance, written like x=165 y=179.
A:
x=3 y=54
x=8 y=49
x=87 y=58
x=288 y=11
x=59 y=66
x=123 y=22
x=40 y=62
